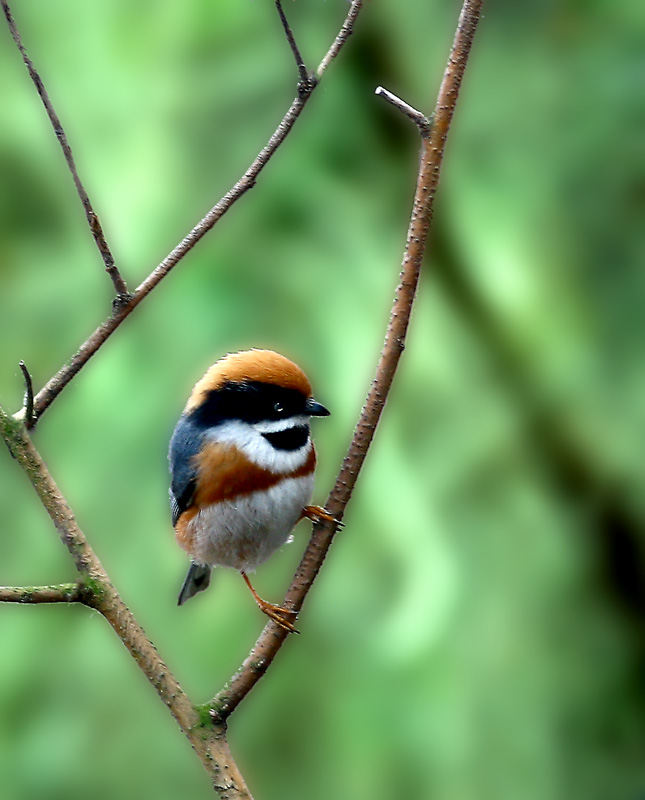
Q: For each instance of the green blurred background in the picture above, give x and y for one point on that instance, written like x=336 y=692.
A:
x=477 y=632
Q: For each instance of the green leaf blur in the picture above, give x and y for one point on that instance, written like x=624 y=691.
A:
x=477 y=632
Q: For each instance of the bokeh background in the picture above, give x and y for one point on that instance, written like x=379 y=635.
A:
x=477 y=632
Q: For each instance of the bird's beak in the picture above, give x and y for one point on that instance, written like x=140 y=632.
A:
x=316 y=409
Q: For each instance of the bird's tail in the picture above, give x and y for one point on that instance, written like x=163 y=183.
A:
x=198 y=578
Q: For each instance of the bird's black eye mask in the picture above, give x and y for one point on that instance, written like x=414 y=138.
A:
x=251 y=401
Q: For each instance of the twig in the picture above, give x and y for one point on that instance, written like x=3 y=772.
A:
x=272 y=638
x=96 y=590
x=302 y=69
x=94 y=587
x=343 y=35
x=59 y=381
x=420 y=120
x=28 y=404
x=92 y=219
x=61 y=593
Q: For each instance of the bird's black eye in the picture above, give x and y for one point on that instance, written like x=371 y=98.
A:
x=278 y=408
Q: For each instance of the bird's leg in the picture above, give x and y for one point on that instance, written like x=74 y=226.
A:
x=281 y=616
x=318 y=513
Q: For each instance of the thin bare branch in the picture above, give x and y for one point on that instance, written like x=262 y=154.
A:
x=59 y=381
x=433 y=146
x=343 y=35
x=28 y=403
x=60 y=593
x=96 y=590
x=92 y=219
x=302 y=69
x=420 y=120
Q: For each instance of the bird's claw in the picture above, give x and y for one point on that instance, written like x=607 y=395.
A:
x=320 y=514
x=281 y=616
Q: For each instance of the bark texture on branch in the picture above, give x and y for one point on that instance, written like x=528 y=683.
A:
x=128 y=302
x=95 y=589
x=433 y=147
x=205 y=726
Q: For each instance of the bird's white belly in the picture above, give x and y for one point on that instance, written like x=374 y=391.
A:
x=244 y=532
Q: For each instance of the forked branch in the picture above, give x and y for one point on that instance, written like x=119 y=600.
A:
x=205 y=727
x=122 y=310
x=92 y=219
x=94 y=587
x=433 y=146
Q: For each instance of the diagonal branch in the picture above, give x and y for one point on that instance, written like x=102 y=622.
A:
x=205 y=727
x=433 y=146
x=96 y=590
x=420 y=120
x=92 y=219
x=343 y=35
x=300 y=64
x=59 y=381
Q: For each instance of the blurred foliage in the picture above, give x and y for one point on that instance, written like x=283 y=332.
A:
x=477 y=632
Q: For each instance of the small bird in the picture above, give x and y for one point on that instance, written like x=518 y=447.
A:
x=242 y=468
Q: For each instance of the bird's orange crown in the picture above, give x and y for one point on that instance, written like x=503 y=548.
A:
x=264 y=366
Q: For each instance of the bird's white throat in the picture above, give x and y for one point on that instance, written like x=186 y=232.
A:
x=248 y=438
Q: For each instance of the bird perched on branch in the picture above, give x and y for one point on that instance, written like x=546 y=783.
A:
x=242 y=468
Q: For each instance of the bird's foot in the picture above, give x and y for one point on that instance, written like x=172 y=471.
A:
x=320 y=514
x=284 y=617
